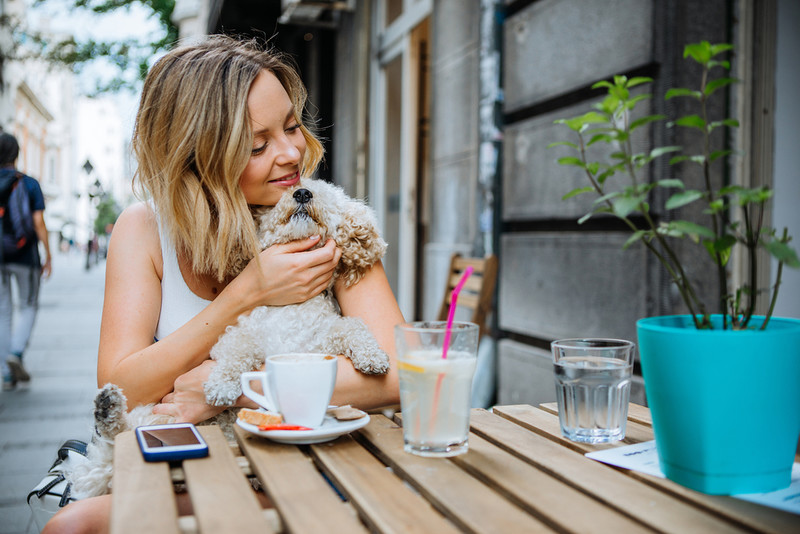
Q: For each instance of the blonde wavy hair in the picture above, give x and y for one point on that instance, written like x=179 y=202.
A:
x=192 y=139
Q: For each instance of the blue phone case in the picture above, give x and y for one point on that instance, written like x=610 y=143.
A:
x=168 y=443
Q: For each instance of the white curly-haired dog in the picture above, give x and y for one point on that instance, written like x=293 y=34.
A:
x=313 y=207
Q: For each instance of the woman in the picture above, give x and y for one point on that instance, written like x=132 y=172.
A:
x=219 y=129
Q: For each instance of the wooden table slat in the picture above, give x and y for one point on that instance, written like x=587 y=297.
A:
x=222 y=498
x=383 y=501
x=613 y=488
x=462 y=498
x=138 y=486
x=750 y=515
x=542 y=495
x=305 y=501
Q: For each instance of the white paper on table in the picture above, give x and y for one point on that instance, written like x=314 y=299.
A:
x=643 y=457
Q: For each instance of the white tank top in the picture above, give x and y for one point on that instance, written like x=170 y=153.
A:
x=178 y=303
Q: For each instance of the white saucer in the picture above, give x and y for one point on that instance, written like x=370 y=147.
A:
x=330 y=430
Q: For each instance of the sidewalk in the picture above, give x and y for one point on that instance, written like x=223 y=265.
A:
x=57 y=405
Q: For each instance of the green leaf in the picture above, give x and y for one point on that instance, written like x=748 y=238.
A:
x=645 y=120
x=606 y=138
x=602 y=83
x=607 y=196
x=700 y=52
x=690 y=228
x=581 y=122
x=563 y=143
x=608 y=105
x=783 y=252
x=731 y=123
x=637 y=235
x=579 y=191
x=720 y=248
x=683 y=198
x=631 y=103
x=672 y=93
x=692 y=121
x=724 y=243
x=699 y=159
x=718 y=154
x=713 y=85
x=657 y=152
x=719 y=48
x=716 y=206
x=593 y=167
x=585 y=218
x=601 y=178
x=744 y=196
x=571 y=160
x=625 y=205
x=633 y=82
x=670 y=182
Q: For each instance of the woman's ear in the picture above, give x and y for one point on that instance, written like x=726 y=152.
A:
x=359 y=241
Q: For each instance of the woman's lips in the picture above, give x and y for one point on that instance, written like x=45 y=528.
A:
x=286 y=181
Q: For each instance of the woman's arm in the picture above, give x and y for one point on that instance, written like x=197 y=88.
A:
x=147 y=371
x=372 y=300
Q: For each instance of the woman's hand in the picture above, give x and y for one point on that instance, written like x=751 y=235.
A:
x=187 y=401
x=291 y=273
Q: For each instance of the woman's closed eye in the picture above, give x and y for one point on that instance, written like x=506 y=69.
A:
x=259 y=149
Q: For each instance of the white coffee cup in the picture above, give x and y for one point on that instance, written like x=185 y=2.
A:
x=299 y=386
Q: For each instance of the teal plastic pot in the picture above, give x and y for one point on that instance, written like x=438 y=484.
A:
x=725 y=404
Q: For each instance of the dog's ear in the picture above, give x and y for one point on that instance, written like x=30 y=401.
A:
x=361 y=244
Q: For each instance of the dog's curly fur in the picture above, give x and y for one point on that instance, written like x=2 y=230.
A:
x=313 y=207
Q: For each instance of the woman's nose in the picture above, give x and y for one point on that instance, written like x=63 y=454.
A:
x=288 y=152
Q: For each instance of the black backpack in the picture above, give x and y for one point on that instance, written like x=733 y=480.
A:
x=15 y=211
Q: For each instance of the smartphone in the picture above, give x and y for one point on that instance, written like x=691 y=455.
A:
x=170 y=442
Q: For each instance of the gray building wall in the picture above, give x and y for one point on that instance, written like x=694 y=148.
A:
x=559 y=279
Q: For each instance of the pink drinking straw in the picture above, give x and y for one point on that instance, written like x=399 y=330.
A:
x=452 y=312
x=450 y=315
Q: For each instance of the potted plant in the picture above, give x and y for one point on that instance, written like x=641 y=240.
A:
x=722 y=383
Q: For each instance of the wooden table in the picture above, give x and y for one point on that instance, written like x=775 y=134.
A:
x=519 y=475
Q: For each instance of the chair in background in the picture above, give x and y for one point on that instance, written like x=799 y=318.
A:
x=476 y=295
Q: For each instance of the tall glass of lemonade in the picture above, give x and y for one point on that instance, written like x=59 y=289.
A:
x=435 y=385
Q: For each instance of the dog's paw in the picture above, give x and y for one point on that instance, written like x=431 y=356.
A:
x=222 y=394
x=374 y=364
x=110 y=406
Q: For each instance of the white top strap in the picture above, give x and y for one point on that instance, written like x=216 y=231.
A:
x=178 y=303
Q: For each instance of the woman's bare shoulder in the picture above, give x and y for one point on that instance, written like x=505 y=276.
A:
x=136 y=231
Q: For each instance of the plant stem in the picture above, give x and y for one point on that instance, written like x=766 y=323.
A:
x=717 y=228
x=777 y=285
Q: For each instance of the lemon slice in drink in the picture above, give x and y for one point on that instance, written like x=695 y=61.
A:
x=410 y=367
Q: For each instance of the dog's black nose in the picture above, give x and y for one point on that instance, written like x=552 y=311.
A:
x=303 y=196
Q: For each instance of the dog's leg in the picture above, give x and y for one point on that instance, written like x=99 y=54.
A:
x=237 y=350
x=351 y=337
x=110 y=407
x=93 y=477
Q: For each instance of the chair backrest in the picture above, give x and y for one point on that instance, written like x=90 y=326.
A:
x=476 y=295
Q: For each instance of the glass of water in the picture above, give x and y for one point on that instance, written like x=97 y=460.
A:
x=593 y=385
